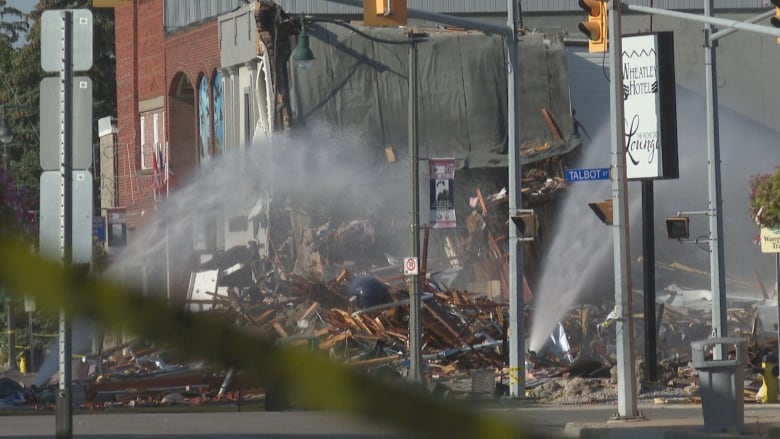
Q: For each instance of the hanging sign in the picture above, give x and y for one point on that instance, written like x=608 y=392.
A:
x=770 y=240
x=649 y=106
x=442 y=193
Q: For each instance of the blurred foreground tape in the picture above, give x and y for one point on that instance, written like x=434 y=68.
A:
x=316 y=382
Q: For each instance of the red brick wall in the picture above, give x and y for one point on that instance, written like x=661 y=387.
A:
x=147 y=65
x=140 y=75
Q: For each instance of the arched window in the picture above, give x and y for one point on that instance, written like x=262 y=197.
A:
x=217 y=89
x=204 y=119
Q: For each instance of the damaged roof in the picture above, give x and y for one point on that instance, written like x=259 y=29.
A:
x=358 y=84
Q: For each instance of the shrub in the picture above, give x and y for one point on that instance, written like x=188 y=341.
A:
x=765 y=199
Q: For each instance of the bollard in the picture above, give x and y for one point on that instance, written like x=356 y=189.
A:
x=722 y=384
x=23 y=364
x=769 y=372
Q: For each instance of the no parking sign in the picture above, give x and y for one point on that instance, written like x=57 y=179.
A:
x=410 y=267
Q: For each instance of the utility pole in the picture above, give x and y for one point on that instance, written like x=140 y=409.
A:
x=627 y=407
x=415 y=348
x=516 y=300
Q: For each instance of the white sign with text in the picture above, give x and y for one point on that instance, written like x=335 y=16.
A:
x=642 y=107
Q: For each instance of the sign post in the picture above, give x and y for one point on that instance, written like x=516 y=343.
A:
x=62 y=32
x=770 y=243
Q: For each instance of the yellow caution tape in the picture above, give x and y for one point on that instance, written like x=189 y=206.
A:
x=312 y=380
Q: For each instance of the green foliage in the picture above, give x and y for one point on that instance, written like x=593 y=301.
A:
x=20 y=86
x=765 y=199
x=12 y=24
x=20 y=77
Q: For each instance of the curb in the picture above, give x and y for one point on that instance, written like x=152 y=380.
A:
x=642 y=429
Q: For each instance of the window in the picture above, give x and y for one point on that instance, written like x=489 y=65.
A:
x=146 y=152
x=219 y=120
x=151 y=136
x=204 y=119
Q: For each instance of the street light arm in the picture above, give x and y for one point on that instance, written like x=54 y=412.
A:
x=733 y=24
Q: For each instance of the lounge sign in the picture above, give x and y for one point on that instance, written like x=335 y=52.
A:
x=649 y=106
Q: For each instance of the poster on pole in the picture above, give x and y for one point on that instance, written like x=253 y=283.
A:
x=442 y=171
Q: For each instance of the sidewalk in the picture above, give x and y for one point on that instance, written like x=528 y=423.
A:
x=656 y=421
x=595 y=421
x=759 y=421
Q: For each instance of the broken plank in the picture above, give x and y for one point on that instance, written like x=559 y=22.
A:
x=334 y=340
x=309 y=310
x=278 y=328
x=374 y=361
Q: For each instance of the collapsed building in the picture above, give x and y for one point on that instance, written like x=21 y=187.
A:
x=303 y=264
x=288 y=260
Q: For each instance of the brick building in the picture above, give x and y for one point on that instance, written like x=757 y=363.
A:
x=168 y=81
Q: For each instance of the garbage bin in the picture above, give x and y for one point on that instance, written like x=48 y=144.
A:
x=722 y=383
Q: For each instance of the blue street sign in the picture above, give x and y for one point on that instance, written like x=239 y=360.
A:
x=99 y=228
x=587 y=174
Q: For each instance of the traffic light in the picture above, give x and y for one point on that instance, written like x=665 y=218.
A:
x=526 y=222
x=384 y=12
x=596 y=26
x=603 y=210
x=776 y=19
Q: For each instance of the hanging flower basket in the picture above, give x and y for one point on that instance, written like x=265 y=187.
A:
x=765 y=199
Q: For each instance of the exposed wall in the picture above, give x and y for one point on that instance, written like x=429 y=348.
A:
x=148 y=64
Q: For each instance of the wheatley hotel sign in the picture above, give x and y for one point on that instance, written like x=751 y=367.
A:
x=649 y=105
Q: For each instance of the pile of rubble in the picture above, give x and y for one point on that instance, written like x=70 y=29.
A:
x=312 y=291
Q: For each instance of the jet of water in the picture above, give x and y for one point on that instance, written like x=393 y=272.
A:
x=578 y=265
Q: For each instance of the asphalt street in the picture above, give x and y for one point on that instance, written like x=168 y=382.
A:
x=546 y=420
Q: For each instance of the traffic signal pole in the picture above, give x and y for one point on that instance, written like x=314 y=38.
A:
x=624 y=328
x=715 y=210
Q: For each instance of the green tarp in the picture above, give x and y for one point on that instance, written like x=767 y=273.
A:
x=358 y=84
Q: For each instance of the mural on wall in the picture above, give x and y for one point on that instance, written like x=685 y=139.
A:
x=219 y=120
x=204 y=121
